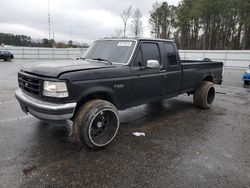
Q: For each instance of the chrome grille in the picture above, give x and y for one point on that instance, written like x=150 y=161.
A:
x=29 y=84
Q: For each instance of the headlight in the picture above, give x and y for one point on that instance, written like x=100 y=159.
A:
x=248 y=71
x=55 y=89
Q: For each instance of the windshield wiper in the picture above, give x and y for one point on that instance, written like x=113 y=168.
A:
x=101 y=59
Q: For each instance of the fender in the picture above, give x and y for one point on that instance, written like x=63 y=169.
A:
x=208 y=77
x=97 y=90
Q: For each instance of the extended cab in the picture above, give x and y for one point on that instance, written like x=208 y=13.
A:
x=114 y=74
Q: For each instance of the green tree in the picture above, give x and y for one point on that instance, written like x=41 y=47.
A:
x=162 y=20
x=204 y=24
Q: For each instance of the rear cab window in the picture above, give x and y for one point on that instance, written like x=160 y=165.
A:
x=171 y=55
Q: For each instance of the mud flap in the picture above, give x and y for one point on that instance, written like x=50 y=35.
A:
x=24 y=108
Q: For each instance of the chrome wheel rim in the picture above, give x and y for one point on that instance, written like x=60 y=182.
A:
x=103 y=127
x=210 y=95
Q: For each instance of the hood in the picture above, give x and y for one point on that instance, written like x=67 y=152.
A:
x=56 y=68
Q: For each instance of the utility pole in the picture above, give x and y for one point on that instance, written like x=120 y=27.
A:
x=71 y=32
x=49 y=19
x=53 y=25
x=53 y=37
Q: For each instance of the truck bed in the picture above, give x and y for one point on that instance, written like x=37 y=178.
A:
x=196 y=71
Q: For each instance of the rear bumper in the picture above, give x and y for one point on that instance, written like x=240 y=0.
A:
x=45 y=110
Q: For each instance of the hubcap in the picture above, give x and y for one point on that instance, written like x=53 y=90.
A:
x=99 y=124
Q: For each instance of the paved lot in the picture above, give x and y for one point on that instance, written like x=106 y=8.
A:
x=183 y=147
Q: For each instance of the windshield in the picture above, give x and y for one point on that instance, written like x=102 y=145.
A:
x=4 y=52
x=118 y=51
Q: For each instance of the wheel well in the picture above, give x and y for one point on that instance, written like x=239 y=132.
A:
x=102 y=96
x=209 y=78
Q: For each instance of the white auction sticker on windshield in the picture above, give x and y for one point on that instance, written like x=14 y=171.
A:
x=124 y=44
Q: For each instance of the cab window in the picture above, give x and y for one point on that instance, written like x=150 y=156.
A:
x=147 y=51
x=150 y=51
x=171 y=54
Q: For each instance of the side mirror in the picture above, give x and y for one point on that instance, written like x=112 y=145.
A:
x=153 y=64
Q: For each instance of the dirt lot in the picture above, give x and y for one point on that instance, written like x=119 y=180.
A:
x=183 y=147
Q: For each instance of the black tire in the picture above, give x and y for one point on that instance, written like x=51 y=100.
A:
x=7 y=59
x=246 y=82
x=204 y=95
x=96 y=124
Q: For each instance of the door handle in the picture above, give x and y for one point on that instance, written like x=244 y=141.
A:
x=161 y=71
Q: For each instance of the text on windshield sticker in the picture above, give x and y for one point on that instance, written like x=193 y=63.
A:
x=124 y=44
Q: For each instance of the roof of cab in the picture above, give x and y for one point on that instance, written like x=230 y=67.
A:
x=139 y=39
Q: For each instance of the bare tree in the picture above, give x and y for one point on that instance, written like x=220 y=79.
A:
x=125 y=15
x=137 y=23
x=118 y=33
x=154 y=20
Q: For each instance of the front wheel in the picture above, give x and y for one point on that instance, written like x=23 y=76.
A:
x=204 y=95
x=7 y=59
x=96 y=123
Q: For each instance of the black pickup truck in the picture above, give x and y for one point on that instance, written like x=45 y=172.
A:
x=114 y=74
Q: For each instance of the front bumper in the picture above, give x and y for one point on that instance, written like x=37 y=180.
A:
x=45 y=110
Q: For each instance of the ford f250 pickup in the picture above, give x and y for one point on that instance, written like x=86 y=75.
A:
x=114 y=74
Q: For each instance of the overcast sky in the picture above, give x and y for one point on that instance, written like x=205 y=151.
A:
x=79 y=20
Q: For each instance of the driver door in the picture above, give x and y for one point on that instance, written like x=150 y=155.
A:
x=147 y=83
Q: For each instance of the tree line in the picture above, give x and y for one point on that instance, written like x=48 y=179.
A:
x=193 y=24
x=23 y=40
x=203 y=24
